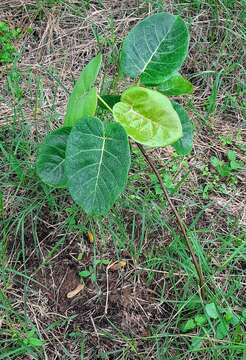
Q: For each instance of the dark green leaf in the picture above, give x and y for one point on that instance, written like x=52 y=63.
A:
x=176 y=85
x=83 y=99
x=111 y=100
x=97 y=164
x=51 y=158
x=148 y=117
x=155 y=48
x=184 y=145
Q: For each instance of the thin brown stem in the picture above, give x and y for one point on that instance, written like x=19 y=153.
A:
x=180 y=223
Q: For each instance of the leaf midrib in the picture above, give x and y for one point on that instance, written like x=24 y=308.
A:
x=99 y=167
x=151 y=57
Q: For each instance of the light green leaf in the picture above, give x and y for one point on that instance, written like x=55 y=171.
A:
x=155 y=48
x=84 y=273
x=97 y=164
x=51 y=158
x=184 y=145
x=83 y=99
x=231 y=154
x=176 y=85
x=35 y=342
x=211 y=310
x=148 y=117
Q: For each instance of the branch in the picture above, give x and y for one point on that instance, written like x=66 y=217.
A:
x=180 y=223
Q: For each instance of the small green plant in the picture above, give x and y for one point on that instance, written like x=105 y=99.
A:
x=91 y=157
x=222 y=321
x=7 y=36
x=226 y=168
x=91 y=272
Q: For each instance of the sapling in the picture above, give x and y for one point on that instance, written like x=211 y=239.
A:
x=91 y=157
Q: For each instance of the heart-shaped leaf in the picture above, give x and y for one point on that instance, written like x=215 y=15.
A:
x=97 y=164
x=148 y=117
x=83 y=99
x=176 y=85
x=155 y=48
x=51 y=158
x=184 y=145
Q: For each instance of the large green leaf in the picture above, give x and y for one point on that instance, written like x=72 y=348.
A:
x=155 y=48
x=148 y=117
x=184 y=145
x=176 y=85
x=83 y=99
x=97 y=164
x=51 y=158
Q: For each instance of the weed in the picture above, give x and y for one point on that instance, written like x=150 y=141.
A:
x=7 y=37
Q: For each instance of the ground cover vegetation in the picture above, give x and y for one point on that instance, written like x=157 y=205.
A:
x=118 y=281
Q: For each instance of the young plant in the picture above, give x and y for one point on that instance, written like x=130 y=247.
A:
x=7 y=36
x=91 y=157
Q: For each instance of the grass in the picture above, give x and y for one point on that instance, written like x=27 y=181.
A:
x=154 y=311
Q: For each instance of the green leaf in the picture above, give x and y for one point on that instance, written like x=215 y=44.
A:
x=85 y=273
x=188 y=325
x=176 y=85
x=155 y=48
x=51 y=158
x=200 y=320
x=222 y=330
x=222 y=168
x=184 y=145
x=236 y=165
x=35 y=342
x=83 y=99
x=244 y=314
x=196 y=343
x=102 y=262
x=228 y=316
x=215 y=161
x=231 y=318
x=148 y=117
x=231 y=155
x=211 y=311
x=111 y=100
x=97 y=164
